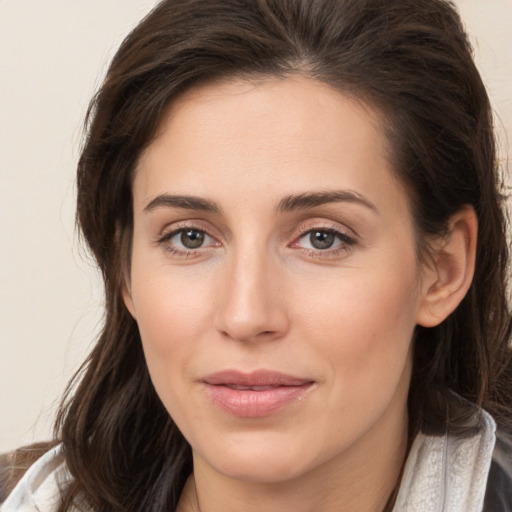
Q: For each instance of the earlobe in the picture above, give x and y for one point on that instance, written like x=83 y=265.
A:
x=449 y=277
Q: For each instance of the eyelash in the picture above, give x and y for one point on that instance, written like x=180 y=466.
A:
x=165 y=239
x=345 y=242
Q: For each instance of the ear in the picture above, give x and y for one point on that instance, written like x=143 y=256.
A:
x=126 y=289
x=127 y=298
x=448 y=277
x=123 y=243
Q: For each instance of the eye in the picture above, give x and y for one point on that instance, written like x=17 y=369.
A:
x=187 y=240
x=324 y=240
x=190 y=238
x=321 y=239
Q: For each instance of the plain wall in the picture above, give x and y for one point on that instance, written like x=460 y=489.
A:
x=53 y=55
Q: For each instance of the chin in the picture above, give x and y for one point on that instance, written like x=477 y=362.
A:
x=257 y=462
x=270 y=470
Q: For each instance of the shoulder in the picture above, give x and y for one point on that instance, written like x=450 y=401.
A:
x=498 y=496
x=451 y=471
x=13 y=465
x=31 y=478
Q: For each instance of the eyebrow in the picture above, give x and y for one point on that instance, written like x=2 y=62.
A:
x=312 y=199
x=289 y=203
x=186 y=202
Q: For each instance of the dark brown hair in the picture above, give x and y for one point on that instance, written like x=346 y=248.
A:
x=408 y=58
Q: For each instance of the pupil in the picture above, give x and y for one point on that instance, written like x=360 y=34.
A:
x=322 y=239
x=192 y=239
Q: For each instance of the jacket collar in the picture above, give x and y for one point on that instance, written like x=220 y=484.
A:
x=448 y=473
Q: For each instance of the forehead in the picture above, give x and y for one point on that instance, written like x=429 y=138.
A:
x=241 y=137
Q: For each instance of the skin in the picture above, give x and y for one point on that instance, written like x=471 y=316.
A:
x=257 y=294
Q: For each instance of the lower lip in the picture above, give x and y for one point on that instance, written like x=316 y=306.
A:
x=248 y=403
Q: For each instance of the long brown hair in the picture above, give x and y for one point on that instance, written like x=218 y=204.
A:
x=411 y=60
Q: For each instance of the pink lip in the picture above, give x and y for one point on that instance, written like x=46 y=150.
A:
x=255 y=394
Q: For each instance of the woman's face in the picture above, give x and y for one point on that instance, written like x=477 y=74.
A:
x=275 y=279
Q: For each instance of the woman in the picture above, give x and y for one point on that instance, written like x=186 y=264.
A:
x=296 y=208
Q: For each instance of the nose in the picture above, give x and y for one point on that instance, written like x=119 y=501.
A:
x=251 y=305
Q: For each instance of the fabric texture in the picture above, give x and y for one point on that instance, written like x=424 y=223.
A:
x=39 y=489
x=448 y=473
x=498 y=496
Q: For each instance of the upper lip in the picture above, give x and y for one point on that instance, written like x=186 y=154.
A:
x=254 y=378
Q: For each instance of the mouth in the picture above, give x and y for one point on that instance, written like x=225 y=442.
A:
x=256 y=394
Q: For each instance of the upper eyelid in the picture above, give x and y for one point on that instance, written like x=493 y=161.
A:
x=173 y=227
x=324 y=224
x=329 y=230
x=173 y=232
x=342 y=236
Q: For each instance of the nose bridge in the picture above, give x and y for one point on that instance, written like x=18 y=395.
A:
x=250 y=306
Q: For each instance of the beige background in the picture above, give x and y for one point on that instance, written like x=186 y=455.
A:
x=52 y=56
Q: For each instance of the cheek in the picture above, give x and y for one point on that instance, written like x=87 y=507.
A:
x=363 y=336
x=363 y=328
x=170 y=323
x=173 y=311
x=171 y=304
x=364 y=308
